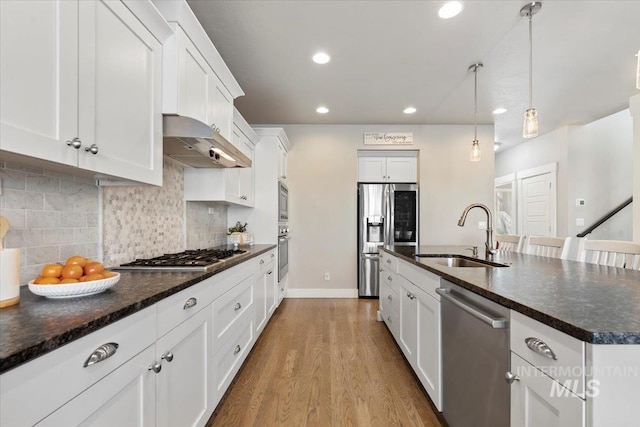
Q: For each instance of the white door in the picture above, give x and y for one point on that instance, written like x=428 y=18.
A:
x=39 y=79
x=372 y=169
x=408 y=320
x=185 y=383
x=428 y=361
x=126 y=397
x=120 y=106
x=536 y=206
x=402 y=169
x=538 y=401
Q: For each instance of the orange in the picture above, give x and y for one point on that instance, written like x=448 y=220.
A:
x=107 y=274
x=63 y=281
x=51 y=270
x=72 y=271
x=91 y=277
x=77 y=260
x=49 y=281
x=93 y=267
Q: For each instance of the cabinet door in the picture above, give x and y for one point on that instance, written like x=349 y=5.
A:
x=119 y=106
x=372 y=169
x=246 y=177
x=402 y=169
x=193 y=80
x=272 y=290
x=537 y=400
x=39 y=79
x=185 y=383
x=408 y=320
x=219 y=106
x=428 y=357
x=282 y=163
x=260 y=303
x=126 y=397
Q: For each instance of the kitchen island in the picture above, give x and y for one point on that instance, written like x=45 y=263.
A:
x=574 y=337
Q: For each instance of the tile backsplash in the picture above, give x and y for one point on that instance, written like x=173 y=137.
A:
x=51 y=215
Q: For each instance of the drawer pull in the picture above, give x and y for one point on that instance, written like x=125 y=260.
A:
x=538 y=346
x=410 y=295
x=156 y=367
x=101 y=353
x=236 y=350
x=237 y=307
x=510 y=378
x=261 y=261
x=389 y=318
x=388 y=261
x=168 y=356
x=389 y=278
x=191 y=302
x=273 y=256
x=270 y=272
x=281 y=289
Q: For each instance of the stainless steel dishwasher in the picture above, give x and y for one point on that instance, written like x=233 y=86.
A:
x=475 y=358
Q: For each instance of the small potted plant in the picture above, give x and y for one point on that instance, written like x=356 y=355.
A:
x=238 y=234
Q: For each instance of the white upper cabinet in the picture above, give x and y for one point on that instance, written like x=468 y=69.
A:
x=282 y=163
x=196 y=81
x=67 y=96
x=392 y=167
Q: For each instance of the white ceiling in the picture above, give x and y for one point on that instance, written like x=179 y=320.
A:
x=387 y=55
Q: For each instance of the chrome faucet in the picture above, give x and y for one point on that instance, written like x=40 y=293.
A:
x=489 y=250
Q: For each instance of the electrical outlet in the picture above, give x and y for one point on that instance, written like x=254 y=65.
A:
x=482 y=225
x=327 y=276
x=579 y=202
x=579 y=222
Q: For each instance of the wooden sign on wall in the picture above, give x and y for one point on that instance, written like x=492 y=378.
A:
x=388 y=138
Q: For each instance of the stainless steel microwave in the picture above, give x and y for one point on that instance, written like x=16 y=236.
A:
x=283 y=202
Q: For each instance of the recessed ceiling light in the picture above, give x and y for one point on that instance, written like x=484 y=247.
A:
x=321 y=58
x=322 y=110
x=499 y=110
x=496 y=145
x=409 y=110
x=450 y=9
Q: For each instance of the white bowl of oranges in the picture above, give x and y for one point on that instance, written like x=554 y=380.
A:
x=79 y=276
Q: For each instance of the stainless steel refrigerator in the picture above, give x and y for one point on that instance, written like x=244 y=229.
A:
x=387 y=215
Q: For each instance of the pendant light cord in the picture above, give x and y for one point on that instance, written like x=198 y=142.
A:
x=475 y=103
x=530 y=60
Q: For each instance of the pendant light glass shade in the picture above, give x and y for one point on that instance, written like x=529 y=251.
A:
x=530 y=124
x=475 y=145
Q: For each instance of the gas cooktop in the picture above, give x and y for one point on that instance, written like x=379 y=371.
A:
x=191 y=260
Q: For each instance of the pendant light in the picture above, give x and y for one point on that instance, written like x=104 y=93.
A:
x=530 y=125
x=475 y=145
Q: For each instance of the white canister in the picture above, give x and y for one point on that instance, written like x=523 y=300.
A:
x=9 y=277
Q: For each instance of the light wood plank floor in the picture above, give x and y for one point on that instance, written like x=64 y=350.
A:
x=325 y=362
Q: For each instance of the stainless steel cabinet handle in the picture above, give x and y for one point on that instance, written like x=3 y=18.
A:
x=191 y=302
x=270 y=272
x=510 y=378
x=75 y=143
x=156 y=367
x=281 y=289
x=389 y=278
x=538 y=346
x=168 y=356
x=498 y=323
x=388 y=261
x=237 y=307
x=93 y=149
x=389 y=298
x=273 y=255
x=236 y=350
x=389 y=318
x=410 y=295
x=101 y=353
x=261 y=261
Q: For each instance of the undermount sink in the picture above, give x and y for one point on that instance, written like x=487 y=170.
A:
x=460 y=261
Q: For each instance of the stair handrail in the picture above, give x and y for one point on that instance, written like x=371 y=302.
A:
x=604 y=218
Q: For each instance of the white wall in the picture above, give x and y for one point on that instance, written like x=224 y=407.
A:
x=322 y=171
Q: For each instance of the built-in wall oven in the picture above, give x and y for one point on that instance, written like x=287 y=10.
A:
x=283 y=250
x=283 y=203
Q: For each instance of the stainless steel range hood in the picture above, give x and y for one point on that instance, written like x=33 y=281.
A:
x=195 y=144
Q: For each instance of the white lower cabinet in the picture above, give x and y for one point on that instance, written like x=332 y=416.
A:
x=408 y=319
x=538 y=400
x=126 y=397
x=428 y=352
x=184 y=392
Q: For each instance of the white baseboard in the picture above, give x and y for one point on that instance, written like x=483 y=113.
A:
x=321 y=293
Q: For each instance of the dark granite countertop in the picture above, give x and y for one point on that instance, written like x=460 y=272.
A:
x=596 y=304
x=39 y=325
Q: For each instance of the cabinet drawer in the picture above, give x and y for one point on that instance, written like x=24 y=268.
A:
x=569 y=364
x=266 y=261
x=389 y=296
x=420 y=277
x=389 y=261
x=392 y=320
x=177 y=308
x=228 y=310
x=48 y=382
x=228 y=360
